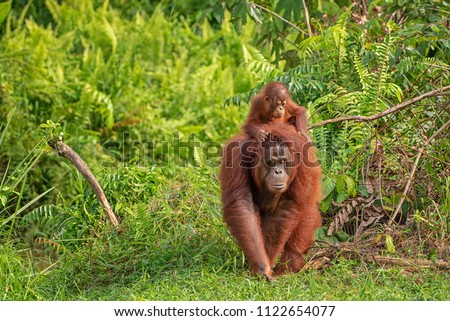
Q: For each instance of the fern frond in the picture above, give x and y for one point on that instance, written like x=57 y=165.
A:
x=104 y=104
x=39 y=214
x=45 y=242
x=382 y=52
x=415 y=66
x=55 y=9
x=246 y=96
x=322 y=139
x=199 y=156
x=309 y=45
x=323 y=100
x=257 y=64
x=305 y=69
x=362 y=71
x=356 y=134
x=394 y=90
x=344 y=18
x=109 y=31
x=5 y=8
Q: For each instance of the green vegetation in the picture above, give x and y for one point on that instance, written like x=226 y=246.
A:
x=131 y=85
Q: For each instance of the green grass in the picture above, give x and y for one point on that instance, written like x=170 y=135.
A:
x=176 y=247
x=345 y=280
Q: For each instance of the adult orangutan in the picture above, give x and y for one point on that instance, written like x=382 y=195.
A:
x=270 y=196
x=274 y=104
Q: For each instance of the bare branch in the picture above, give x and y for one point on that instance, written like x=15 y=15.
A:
x=440 y=264
x=67 y=152
x=305 y=8
x=279 y=17
x=413 y=171
x=438 y=92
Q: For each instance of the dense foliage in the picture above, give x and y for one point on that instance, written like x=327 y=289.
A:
x=147 y=92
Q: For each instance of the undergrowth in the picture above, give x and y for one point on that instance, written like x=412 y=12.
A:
x=148 y=93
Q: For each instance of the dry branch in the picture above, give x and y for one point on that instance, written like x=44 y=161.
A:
x=305 y=9
x=255 y=5
x=438 y=92
x=408 y=262
x=323 y=257
x=67 y=152
x=413 y=171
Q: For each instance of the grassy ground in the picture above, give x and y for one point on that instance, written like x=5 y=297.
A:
x=176 y=247
x=345 y=280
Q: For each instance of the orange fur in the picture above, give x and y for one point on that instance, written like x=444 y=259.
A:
x=262 y=109
x=267 y=230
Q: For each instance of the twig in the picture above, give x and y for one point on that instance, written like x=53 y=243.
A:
x=67 y=152
x=323 y=257
x=305 y=8
x=413 y=171
x=279 y=17
x=438 y=92
x=408 y=262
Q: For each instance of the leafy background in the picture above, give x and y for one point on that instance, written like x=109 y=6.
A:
x=130 y=83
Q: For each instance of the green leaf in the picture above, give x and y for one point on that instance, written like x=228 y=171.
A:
x=239 y=11
x=328 y=186
x=363 y=191
x=257 y=64
x=351 y=185
x=55 y=9
x=5 y=8
x=110 y=33
x=325 y=204
x=290 y=8
x=390 y=244
x=218 y=12
x=341 y=236
x=254 y=13
x=191 y=129
x=3 y=199
x=321 y=235
x=340 y=189
x=5 y=127
x=198 y=156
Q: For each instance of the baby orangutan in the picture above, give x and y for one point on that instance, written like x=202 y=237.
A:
x=274 y=105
